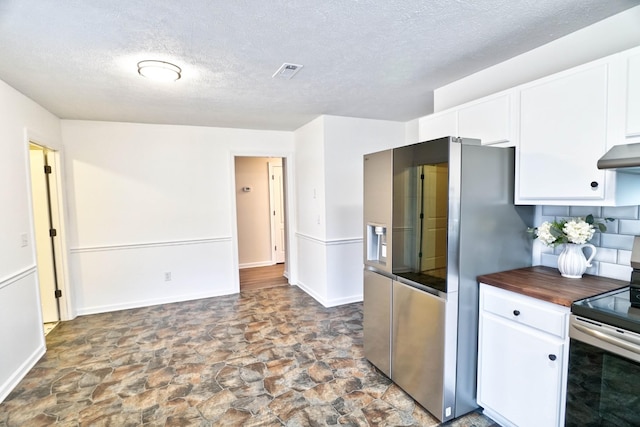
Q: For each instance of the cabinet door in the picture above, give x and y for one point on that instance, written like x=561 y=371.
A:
x=377 y=320
x=633 y=96
x=438 y=125
x=517 y=377
x=488 y=120
x=563 y=124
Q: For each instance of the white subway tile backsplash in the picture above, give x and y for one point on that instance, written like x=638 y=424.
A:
x=624 y=258
x=613 y=246
x=620 y=212
x=616 y=241
x=555 y=211
x=615 y=271
x=546 y=249
x=604 y=255
x=583 y=211
x=593 y=270
x=628 y=226
x=549 y=260
x=547 y=218
x=612 y=226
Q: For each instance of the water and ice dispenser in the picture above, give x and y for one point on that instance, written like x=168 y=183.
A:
x=377 y=243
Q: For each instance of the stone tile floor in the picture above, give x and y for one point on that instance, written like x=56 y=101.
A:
x=266 y=357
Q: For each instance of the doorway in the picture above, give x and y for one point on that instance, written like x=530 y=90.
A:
x=261 y=220
x=46 y=217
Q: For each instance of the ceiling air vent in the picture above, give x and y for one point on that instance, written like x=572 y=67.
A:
x=286 y=71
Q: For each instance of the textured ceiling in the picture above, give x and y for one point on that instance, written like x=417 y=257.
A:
x=377 y=59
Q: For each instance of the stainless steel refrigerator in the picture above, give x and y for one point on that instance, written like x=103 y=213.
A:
x=436 y=215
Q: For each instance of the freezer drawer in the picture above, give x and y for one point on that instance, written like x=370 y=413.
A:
x=377 y=320
x=418 y=342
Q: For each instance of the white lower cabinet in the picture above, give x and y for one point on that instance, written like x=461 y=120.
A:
x=522 y=359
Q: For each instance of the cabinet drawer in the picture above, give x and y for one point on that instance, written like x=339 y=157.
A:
x=524 y=310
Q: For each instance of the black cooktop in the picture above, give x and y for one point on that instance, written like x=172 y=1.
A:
x=612 y=308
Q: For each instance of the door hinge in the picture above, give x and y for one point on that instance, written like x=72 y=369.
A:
x=47 y=169
x=53 y=232
x=58 y=293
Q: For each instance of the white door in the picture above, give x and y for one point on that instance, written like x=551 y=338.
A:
x=276 y=191
x=42 y=225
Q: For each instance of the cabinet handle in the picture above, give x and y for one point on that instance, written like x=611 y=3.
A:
x=516 y=312
x=552 y=357
x=594 y=184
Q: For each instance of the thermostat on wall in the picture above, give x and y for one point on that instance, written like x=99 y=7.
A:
x=246 y=189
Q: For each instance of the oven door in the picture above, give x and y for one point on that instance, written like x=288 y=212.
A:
x=603 y=385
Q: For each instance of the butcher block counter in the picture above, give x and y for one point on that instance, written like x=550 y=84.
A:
x=546 y=283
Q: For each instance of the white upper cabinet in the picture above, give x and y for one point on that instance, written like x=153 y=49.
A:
x=560 y=125
x=438 y=125
x=633 y=94
x=489 y=119
x=569 y=120
x=563 y=129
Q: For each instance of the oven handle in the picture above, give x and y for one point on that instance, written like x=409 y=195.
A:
x=631 y=345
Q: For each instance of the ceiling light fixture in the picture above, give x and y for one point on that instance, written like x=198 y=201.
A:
x=159 y=70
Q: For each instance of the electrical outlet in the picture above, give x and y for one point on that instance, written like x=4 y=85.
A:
x=167 y=276
x=24 y=240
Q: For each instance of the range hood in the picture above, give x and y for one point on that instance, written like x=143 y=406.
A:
x=622 y=158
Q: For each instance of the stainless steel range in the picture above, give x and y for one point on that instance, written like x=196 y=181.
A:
x=604 y=357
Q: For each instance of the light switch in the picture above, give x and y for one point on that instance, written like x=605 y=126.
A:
x=24 y=240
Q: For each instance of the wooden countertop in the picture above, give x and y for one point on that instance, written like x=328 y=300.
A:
x=546 y=283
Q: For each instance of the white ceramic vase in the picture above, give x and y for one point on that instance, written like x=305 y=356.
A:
x=572 y=262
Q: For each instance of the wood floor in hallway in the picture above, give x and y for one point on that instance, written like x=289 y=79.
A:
x=262 y=277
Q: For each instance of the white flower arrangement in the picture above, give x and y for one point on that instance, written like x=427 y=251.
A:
x=573 y=230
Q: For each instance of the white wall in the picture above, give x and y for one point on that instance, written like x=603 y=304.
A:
x=615 y=34
x=253 y=210
x=310 y=208
x=329 y=154
x=21 y=335
x=145 y=200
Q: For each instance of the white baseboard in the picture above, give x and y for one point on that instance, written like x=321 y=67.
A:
x=151 y=302
x=329 y=303
x=345 y=300
x=256 y=264
x=23 y=370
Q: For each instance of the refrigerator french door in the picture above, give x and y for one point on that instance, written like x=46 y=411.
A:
x=436 y=214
